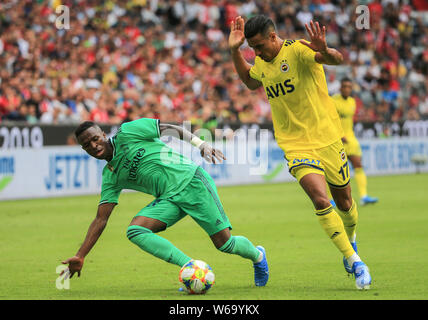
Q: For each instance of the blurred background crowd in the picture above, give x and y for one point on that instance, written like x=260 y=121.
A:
x=121 y=60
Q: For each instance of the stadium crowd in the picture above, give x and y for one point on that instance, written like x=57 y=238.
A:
x=121 y=60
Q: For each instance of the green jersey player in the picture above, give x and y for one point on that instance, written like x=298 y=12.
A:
x=138 y=160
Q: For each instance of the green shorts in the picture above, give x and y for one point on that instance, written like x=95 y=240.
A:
x=199 y=199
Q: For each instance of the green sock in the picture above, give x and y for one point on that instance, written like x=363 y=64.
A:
x=242 y=247
x=156 y=245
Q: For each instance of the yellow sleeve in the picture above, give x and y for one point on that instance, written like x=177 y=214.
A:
x=304 y=53
x=255 y=72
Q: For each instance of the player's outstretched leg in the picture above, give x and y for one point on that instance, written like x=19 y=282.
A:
x=339 y=229
x=333 y=225
x=156 y=245
x=347 y=210
x=243 y=247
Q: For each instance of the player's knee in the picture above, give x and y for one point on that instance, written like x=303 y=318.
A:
x=320 y=202
x=344 y=203
x=133 y=232
x=220 y=238
x=227 y=246
x=153 y=225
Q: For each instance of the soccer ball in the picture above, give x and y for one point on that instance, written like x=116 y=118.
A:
x=197 y=277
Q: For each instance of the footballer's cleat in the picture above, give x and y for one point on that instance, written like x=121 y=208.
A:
x=348 y=268
x=261 y=270
x=332 y=202
x=362 y=275
x=368 y=200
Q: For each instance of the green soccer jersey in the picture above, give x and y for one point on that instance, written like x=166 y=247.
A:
x=142 y=162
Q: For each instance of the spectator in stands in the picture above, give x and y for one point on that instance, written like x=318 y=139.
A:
x=121 y=60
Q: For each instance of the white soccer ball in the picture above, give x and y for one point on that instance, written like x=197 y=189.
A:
x=197 y=277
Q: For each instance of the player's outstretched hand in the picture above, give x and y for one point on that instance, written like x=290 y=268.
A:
x=317 y=34
x=75 y=264
x=211 y=155
x=236 y=37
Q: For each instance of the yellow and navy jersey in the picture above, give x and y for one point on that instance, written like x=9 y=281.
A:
x=303 y=114
x=346 y=109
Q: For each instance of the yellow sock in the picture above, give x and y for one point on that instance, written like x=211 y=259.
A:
x=361 y=180
x=350 y=220
x=333 y=226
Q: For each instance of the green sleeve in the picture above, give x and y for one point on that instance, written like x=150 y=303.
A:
x=109 y=193
x=144 y=128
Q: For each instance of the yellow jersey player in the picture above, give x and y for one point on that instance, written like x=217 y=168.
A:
x=305 y=123
x=346 y=107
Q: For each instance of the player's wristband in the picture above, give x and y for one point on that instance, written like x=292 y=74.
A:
x=196 y=142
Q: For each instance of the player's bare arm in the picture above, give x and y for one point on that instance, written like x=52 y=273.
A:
x=75 y=264
x=236 y=39
x=324 y=55
x=209 y=153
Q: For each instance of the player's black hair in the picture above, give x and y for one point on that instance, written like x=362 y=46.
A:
x=258 y=24
x=345 y=79
x=82 y=127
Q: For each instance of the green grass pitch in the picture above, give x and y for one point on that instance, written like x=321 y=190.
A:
x=35 y=235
